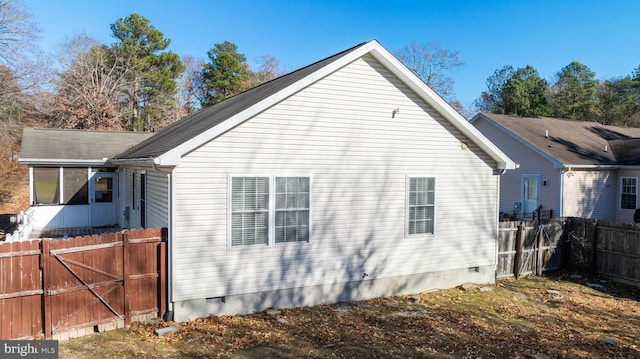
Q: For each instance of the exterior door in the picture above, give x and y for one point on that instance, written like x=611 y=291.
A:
x=530 y=195
x=104 y=199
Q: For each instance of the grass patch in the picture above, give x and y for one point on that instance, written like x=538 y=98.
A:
x=559 y=316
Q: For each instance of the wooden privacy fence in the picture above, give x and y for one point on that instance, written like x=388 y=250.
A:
x=607 y=248
x=57 y=289
x=525 y=248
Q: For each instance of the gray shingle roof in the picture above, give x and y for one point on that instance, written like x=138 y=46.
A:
x=572 y=142
x=40 y=144
x=187 y=128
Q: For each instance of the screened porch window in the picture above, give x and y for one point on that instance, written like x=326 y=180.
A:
x=269 y=210
x=628 y=193
x=46 y=185
x=421 y=205
x=76 y=186
x=47 y=188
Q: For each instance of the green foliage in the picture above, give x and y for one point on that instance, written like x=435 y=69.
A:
x=519 y=92
x=151 y=73
x=574 y=95
x=225 y=75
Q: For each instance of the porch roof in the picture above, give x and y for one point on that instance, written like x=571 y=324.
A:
x=49 y=146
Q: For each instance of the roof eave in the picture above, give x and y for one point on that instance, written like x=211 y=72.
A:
x=63 y=162
x=173 y=156
x=554 y=162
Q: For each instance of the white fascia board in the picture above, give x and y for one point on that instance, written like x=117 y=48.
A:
x=62 y=162
x=554 y=162
x=135 y=161
x=439 y=104
x=597 y=167
x=172 y=157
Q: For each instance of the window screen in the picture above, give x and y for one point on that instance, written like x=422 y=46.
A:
x=46 y=183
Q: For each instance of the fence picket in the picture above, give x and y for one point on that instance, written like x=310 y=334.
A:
x=60 y=288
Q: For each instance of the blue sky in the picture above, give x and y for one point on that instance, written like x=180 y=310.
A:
x=547 y=34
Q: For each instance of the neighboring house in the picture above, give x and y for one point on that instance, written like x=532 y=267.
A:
x=73 y=182
x=574 y=168
x=344 y=180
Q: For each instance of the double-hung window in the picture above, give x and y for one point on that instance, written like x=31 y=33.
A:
x=268 y=210
x=628 y=192
x=421 y=192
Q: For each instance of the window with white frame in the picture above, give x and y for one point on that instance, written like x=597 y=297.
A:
x=269 y=210
x=628 y=192
x=50 y=188
x=421 y=205
x=292 y=209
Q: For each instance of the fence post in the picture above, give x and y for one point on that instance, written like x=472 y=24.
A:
x=518 y=256
x=46 y=298
x=126 y=248
x=594 y=249
x=539 y=250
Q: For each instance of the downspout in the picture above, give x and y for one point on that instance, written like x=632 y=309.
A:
x=561 y=194
x=169 y=313
x=497 y=227
x=169 y=247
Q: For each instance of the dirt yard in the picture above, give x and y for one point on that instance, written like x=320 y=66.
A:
x=560 y=316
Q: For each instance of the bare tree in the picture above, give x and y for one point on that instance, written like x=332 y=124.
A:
x=433 y=64
x=188 y=87
x=18 y=31
x=89 y=89
x=267 y=69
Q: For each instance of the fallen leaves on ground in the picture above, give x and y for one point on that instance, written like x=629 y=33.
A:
x=558 y=316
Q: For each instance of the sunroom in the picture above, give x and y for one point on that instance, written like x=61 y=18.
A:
x=72 y=182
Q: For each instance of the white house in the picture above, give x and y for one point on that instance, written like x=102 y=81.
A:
x=574 y=168
x=344 y=180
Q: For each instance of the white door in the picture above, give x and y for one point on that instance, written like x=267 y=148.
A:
x=530 y=195
x=104 y=199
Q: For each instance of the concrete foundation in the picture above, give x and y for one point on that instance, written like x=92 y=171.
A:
x=330 y=293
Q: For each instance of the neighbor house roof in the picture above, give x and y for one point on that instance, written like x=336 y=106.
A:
x=571 y=143
x=75 y=147
x=174 y=141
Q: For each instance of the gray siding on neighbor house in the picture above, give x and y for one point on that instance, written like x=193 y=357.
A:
x=590 y=194
x=341 y=132
x=531 y=163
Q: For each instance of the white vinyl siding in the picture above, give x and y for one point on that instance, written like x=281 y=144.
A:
x=156 y=197
x=341 y=130
x=590 y=194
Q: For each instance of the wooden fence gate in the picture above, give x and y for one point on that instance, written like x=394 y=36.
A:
x=526 y=248
x=63 y=288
